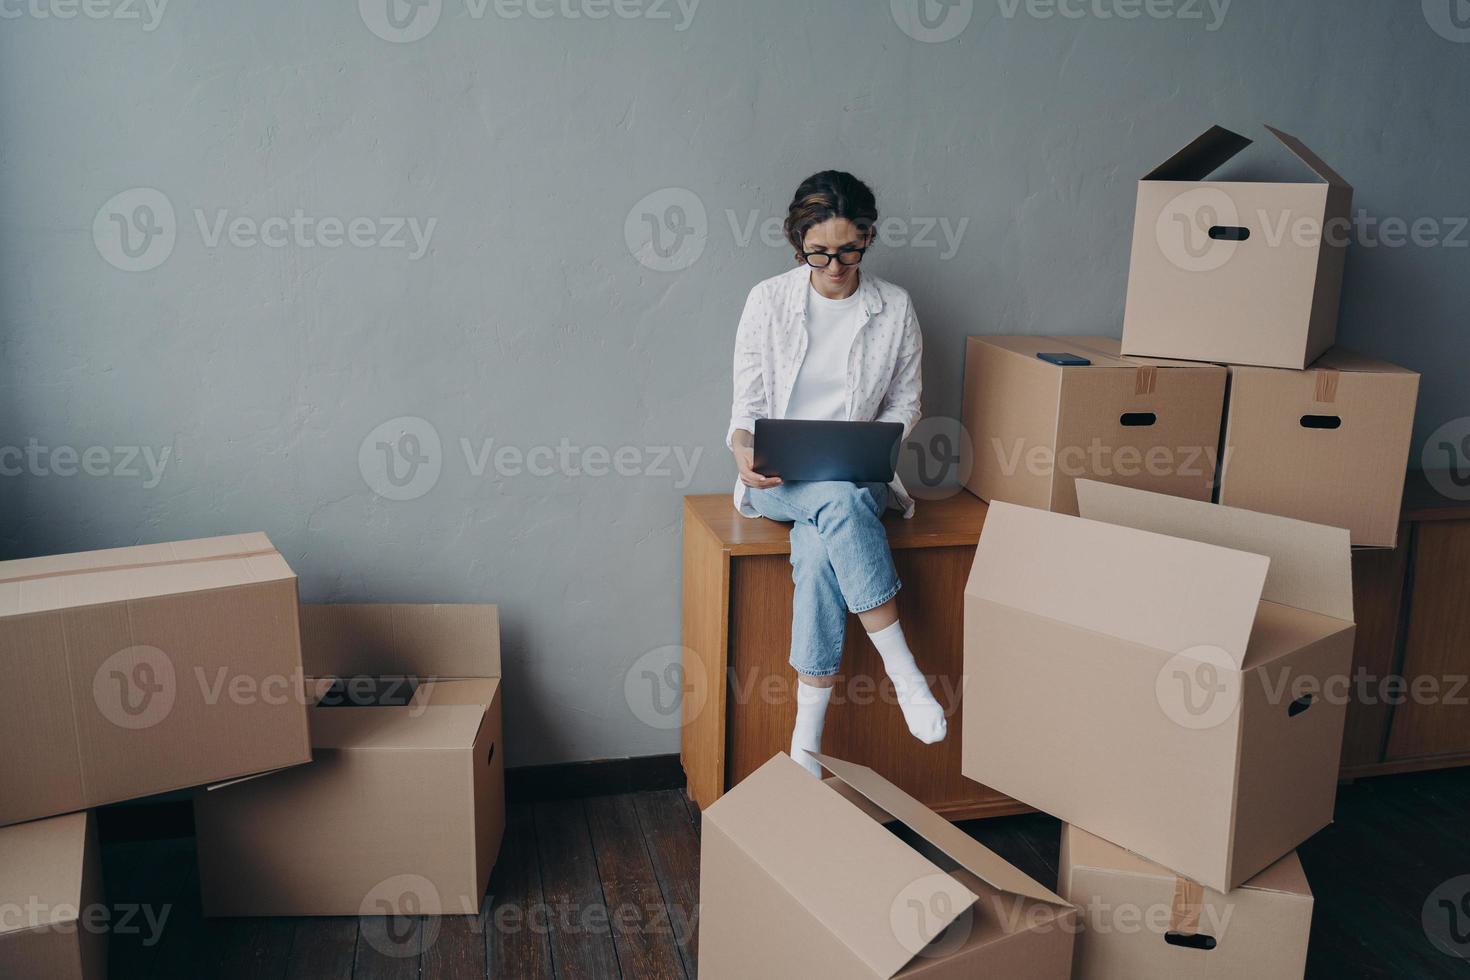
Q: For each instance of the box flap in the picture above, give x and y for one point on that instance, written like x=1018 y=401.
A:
x=41 y=866
x=420 y=640
x=969 y=853
x=1163 y=592
x=848 y=871
x=1299 y=150
x=433 y=727
x=1085 y=850
x=1342 y=359
x=1206 y=154
x=1310 y=564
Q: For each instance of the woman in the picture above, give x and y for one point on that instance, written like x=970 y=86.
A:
x=826 y=341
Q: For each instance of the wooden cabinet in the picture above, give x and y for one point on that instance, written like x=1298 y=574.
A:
x=738 y=687
x=1412 y=606
x=1411 y=692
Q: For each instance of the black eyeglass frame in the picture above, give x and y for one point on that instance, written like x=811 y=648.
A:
x=838 y=255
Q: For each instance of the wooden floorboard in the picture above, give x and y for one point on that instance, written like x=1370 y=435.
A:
x=517 y=942
x=608 y=887
x=581 y=937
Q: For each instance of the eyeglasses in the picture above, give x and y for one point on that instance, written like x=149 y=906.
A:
x=847 y=255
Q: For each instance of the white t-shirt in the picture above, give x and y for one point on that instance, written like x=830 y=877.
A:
x=820 y=391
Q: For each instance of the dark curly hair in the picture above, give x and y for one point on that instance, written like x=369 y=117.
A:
x=826 y=195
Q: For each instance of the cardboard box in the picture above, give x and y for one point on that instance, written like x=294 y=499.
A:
x=800 y=878
x=1036 y=427
x=141 y=670
x=1142 y=922
x=51 y=893
x=404 y=807
x=1328 y=445
x=1246 y=272
x=1167 y=674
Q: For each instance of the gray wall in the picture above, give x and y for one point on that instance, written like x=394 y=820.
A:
x=539 y=311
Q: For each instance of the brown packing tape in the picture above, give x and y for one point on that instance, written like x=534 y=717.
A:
x=1327 y=384
x=1146 y=379
x=134 y=566
x=1185 y=913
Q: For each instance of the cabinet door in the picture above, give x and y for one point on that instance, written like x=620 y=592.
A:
x=1378 y=599
x=1435 y=719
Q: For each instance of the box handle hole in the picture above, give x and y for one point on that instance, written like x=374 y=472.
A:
x=1137 y=418
x=1190 y=940
x=1229 y=233
x=1299 y=705
x=1321 y=421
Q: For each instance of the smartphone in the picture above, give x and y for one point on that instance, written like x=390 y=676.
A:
x=1065 y=360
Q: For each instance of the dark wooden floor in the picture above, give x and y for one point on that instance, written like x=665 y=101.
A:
x=607 y=887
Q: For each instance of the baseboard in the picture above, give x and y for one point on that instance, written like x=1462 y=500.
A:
x=173 y=815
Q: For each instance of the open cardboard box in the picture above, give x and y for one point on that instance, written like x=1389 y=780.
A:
x=1162 y=673
x=51 y=896
x=404 y=807
x=1142 y=922
x=801 y=879
x=136 y=671
x=1036 y=427
x=1244 y=272
x=1329 y=444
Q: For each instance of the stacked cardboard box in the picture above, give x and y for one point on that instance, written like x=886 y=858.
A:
x=133 y=671
x=406 y=714
x=1241 y=277
x=1155 y=672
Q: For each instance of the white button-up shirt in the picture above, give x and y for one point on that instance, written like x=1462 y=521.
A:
x=884 y=366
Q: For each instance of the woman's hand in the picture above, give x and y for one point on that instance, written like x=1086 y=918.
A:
x=745 y=459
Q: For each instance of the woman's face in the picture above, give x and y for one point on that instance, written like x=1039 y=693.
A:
x=829 y=236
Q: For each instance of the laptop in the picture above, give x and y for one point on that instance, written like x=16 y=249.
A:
x=800 y=450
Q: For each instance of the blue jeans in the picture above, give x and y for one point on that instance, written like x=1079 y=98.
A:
x=840 y=562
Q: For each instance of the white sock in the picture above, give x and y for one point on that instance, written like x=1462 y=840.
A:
x=811 y=714
x=924 y=715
